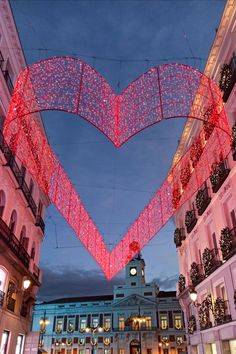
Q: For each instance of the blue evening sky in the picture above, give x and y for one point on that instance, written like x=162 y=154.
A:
x=121 y=39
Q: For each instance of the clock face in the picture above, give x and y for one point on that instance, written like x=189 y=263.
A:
x=133 y=271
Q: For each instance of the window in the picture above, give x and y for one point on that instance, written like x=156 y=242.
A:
x=19 y=344
x=24 y=241
x=71 y=324
x=4 y=343
x=11 y=296
x=148 y=323
x=2 y=203
x=58 y=326
x=163 y=322
x=40 y=208
x=12 y=224
x=121 y=351
x=81 y=351
x=23 y=171
x=107 y=324
x=31 y=186
x=32 y=256
x=121 y=323
x=95 y=322
x=148 y=293
x=119 y=295
x=149 y=351
x=133 y=283
x=107 y=351
x=83 y=323
x=81 y=341
x=178 y=321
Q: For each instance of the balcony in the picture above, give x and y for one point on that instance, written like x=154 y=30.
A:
x=228 y=243
x=204 y=313
x=179 y=236
x=218 y=176
x=221 y=312
x=13 y=243
x=196 y=273
x=192 y=325
x=228 y=78
x=202 y=200
x=2 y=295
x=40 y=223
x=190 y=220
x=210 y=260
x=11 y=162
x=8 y=80
x=181 y=283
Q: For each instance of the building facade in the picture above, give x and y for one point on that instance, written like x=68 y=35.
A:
x=205 y=234
x=137 y=318
x=22 y=207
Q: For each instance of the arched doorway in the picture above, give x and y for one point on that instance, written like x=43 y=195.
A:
x=135 y=347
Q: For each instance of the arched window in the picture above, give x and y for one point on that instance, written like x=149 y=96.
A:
x=12 y=224
x=23 y=239
x=2 y=202
x=11 y=296
x=33 y=251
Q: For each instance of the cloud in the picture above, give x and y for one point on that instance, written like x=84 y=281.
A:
x=71 y=282
x=74 y=282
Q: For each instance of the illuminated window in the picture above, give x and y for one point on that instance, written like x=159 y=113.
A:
x=81 y=351
x=148 y=323
x=95 y=322
x=121 y=351
x=83 y=323
x=107 y=351
x=19 y=344
x=11 y=296
x=178 y=321
x=163 y=322
x=149 y=351
x=59 y=326
x=107 y=324
x=121 y=323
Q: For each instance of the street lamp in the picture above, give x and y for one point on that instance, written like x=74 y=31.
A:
x=43 y=323
x=94 y=330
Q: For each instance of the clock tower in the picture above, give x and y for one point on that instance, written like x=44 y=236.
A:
x=135 y=272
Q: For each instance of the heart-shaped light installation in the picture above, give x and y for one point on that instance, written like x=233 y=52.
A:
x=163 y=92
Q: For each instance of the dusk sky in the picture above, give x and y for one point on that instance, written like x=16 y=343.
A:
x=121 y=39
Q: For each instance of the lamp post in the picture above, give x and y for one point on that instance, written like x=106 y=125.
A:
x=93 y=330
x=43 y=323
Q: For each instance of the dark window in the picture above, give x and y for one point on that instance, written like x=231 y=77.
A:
x=233 y=218
x=119 y=295
x=147 y=293
x=133 y=284
x=215 y=242
x=12 y=224
x=2 y=202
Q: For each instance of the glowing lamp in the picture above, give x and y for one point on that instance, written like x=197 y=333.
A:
x=193 y=295
x=26 y=283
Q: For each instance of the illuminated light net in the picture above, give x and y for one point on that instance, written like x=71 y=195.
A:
x=163 y=92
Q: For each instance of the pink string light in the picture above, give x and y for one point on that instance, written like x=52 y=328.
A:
x=164 y=92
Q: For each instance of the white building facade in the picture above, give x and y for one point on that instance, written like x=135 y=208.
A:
x=22 y=208
x=137 y=318
x=205 y=234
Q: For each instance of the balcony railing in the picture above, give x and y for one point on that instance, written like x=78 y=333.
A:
x=218 y=176
x=130 y=329
x=228 y=243
x=228 y=78
x=39 y=222
x=179 y=236
x=8 y=80
x=2 y=295
x=190 y=220
x=13 y=243
x=196 y=273
x=181 y=283
x=202 y=200
x=210 y=260
x=11 y=162
x=221 y=311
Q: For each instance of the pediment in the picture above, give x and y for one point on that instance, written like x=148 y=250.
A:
x=135 y=300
